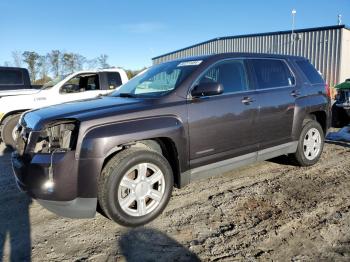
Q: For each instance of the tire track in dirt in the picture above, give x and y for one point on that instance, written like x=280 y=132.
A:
x=261 y=212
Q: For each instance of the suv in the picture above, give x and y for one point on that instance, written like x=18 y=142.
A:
x=177 y=122
x=76 y=86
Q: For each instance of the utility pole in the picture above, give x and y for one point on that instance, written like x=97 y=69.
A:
x=294 y=12
x=339 y=19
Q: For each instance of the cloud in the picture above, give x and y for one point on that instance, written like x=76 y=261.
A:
x=143 y=28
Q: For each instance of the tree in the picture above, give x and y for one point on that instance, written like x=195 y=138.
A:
x=55 y=61
x=17 y=58
x=72 y=62
x=67 y=63
x=91 y=63
x=102 y=61
x=79 y=62
x=31 y=59
x=44 y=66
x=132 y=73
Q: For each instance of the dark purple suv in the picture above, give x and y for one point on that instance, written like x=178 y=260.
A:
x=174 y=123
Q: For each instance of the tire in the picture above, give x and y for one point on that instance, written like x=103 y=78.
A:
x=302 y=156
x=8 y=126
x=117 y=173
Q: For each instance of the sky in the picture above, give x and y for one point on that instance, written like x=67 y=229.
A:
x=132 y=32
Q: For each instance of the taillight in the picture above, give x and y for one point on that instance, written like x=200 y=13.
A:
x=328 y=91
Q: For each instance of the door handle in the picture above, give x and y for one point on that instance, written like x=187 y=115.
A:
x=295 y=93
x=247 y=100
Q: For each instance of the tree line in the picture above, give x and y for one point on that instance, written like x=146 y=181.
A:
x=42 y=68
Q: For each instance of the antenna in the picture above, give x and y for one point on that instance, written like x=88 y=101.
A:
x=339 y=19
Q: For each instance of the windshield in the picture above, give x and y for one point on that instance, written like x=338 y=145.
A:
x=53 y=82
x=158 y=80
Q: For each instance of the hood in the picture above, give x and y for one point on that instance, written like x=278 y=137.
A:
x=81 y=110
x=19 y=92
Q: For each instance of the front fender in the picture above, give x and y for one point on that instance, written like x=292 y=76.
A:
x=101 y=141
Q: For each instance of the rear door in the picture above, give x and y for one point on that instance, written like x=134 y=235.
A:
x=275 y=93
x=110 y=81
x=222 y=126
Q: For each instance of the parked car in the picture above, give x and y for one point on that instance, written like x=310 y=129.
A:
x=77 y=86
x=341 y=106
x=15 y=81
x=179 y=121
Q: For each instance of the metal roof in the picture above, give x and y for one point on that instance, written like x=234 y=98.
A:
x=258 y=34
x=235 y=55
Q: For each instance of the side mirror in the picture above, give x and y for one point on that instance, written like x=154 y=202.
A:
x=207 y=89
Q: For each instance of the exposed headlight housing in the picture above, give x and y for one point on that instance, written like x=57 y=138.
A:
x=58 y=136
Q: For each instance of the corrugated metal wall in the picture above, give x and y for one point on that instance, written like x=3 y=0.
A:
x=321 y=47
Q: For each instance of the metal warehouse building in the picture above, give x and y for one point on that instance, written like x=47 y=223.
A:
x=328 y=48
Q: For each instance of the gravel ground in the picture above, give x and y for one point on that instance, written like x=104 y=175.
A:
x=266 y=211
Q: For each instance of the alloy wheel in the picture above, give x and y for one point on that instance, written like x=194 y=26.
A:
x=312 y=144
x=141 y=189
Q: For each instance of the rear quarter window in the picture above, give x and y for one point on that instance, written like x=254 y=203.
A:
x=114 y=80
x=271 y=73
x=11 y=77
x=310 y=72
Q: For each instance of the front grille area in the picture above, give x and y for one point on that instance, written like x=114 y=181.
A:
x=21 y=139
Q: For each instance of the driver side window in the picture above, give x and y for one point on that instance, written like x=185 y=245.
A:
x=231 y=74
x=80 y=84
x=71 y=86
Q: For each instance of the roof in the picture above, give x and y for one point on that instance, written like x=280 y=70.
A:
x=235 y=55
x=258 y=34
x=12 y=68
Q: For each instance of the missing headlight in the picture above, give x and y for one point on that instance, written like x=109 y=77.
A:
x=61 y=135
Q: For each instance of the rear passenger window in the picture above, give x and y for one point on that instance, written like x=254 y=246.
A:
x=92 y=83
x=11 y=77
x=114 y=80
x=231 y=74
x=271 y=73
x=310 y=72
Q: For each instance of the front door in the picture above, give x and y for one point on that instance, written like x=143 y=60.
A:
x=222 y=126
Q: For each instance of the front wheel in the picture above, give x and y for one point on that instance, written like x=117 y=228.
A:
x=8 y=130
x=310 y=144
x=135 y=186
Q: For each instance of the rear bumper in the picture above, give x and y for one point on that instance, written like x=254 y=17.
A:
x=65 y=198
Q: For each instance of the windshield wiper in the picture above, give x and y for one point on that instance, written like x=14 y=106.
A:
x=127 y=95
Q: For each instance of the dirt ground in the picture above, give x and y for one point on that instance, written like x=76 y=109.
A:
x=266 y=211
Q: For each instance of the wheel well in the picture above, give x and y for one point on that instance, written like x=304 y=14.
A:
x=169 y=151
x=162 y=145
x=321 y=118
x=12 y=113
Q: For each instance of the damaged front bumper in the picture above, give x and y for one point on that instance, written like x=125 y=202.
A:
x=65 y=198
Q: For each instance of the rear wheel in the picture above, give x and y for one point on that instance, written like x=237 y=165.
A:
x=135 y=186
x=8 y=130
x=310 y=144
